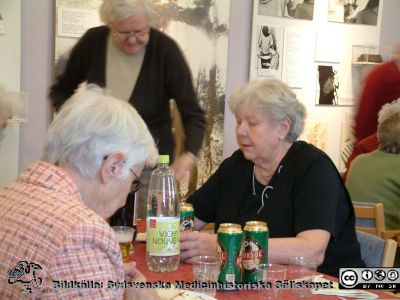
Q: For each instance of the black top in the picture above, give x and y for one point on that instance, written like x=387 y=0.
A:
x=306 y=192
x=164 y=75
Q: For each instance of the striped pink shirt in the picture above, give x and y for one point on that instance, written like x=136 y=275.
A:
x=43 y=222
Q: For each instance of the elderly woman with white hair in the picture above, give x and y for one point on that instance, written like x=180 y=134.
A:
x=374 y=177
x=53 y=216
x=290 y=184
x=143 y=66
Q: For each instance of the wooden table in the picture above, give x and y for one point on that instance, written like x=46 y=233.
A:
x=185 y=273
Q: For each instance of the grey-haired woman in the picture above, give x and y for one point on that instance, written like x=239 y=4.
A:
x=290 y=184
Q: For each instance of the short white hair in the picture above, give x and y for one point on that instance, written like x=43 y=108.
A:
x=112 y=11
x=91 y=125
x=389 y=127
x=275 y=99
x=388 y=110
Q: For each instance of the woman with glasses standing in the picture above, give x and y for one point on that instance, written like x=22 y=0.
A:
x=142 y=65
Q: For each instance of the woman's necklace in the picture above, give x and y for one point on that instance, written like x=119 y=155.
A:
x=263 y=192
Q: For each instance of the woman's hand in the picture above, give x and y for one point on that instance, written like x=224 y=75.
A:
x=183 y=165
x=197 y=243
x=141 y=294
x=132 y=273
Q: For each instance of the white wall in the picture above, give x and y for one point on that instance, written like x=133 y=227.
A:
x=10 y=44
x=10 y=65
x=36 y=60
x=37 y=57
x=238 y=63
x=390 y=33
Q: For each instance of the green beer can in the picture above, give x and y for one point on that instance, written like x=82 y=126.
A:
x=186 y=213
x=229 y=246
x=255 y=249
x=230 y=225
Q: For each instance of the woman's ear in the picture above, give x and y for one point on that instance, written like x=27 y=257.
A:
x=284 y=128
x=112 y=166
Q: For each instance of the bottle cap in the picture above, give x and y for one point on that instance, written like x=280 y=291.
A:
x=163 y=159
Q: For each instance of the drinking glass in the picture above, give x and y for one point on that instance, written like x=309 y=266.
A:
x=206 y=270
x=271 y=273
x=303 y=269
x=126 y=237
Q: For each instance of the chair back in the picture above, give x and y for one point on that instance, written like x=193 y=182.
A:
x=376 y=252
x=370 y=217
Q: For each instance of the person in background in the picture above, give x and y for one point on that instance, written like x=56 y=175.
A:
x=305 y=10
x=369 y=15
x=143 y=66
x=276 y=179
x=52 y=225
x=367 y=145
x=381 y=86
x=352 y=9
x=375 y=176
x=266 y=46
x=279 y=8
x=5 y=110
x=336 y=10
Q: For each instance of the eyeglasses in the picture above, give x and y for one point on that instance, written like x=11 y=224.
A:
x=138 y=34
x=136 y=184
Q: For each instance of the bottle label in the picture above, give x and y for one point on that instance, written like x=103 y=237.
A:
x=163 y=236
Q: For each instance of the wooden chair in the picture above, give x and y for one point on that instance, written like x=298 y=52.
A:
x=370 y=217
x=391 y=234
x=389 y=253
x=375 y=251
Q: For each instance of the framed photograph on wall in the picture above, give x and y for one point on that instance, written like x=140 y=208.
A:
x=271 y=41
x=267 y=48
x=298 y=9
x=331 y=85
x=327 y=84
x=354 y=11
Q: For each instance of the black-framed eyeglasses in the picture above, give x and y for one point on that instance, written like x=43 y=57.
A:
x=136 y=184
x=138 y=34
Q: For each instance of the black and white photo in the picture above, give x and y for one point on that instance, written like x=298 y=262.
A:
x=354 y=11
x=298 y=9
x=268 y=50
x=328 y=85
